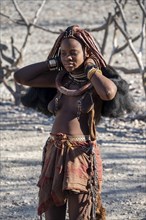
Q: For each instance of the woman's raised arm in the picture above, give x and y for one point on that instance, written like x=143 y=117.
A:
x=36 y=75
x=104 y=87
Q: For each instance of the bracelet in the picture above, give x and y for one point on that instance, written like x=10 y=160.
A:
x=89 y=67
x=52 y=64
x=92 y=72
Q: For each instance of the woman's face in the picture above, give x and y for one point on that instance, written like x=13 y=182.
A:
x=72 y=54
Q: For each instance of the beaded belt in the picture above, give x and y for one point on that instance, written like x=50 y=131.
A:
x=61 y=136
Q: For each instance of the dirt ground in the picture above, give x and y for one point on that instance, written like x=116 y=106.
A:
x=24 y=131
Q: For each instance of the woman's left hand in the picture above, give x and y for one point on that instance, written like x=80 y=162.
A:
x=89 y=62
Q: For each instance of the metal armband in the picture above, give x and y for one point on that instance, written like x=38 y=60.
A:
x=53 y=63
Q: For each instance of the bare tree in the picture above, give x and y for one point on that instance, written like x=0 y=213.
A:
x=124 y=31
x=13 y=61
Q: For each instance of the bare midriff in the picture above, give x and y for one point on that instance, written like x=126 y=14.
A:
x=70 y=125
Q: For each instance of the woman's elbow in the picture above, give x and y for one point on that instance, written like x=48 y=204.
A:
x=18 y=78
x=110 y=93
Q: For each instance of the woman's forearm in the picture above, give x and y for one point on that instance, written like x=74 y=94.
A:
x=36 y=75
x=30 y=72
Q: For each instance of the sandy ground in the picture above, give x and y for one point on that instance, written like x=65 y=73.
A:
x=24 y=131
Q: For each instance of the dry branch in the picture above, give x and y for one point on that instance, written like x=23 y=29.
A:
x=38 y=12
x=11 y=19
x=45 y=29
x=108 y=21
x=137 y=55
x=128 y=71
x=122 y=15
x=14 y=60
x=141 y=4
x=20 y=12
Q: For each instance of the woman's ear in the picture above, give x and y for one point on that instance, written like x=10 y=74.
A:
x=87 y=54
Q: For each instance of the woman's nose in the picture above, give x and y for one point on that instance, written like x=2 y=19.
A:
x=69 y=57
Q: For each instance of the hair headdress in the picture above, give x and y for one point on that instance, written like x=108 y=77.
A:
x=85 y=38
x=68 y=32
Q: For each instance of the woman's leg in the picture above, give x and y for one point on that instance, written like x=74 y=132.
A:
x=79 y=206
x=56 y=213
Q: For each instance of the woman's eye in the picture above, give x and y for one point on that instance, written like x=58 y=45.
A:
x=74 y=53
x=63 y=54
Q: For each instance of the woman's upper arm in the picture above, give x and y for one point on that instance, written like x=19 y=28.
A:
x=36 y=75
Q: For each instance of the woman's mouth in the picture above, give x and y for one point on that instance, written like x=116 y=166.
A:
x=68 y=65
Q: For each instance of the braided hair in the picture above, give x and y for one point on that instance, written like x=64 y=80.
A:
x=38 y=98
x=85 y=38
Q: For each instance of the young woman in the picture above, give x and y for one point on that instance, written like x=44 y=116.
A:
x=77 y=86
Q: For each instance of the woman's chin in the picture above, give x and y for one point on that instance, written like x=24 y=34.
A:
x=70 y=69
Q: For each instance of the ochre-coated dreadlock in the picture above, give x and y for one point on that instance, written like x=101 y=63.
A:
x=85 y=38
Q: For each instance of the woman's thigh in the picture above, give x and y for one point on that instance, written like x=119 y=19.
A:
x=56 y=213
x=79 y=206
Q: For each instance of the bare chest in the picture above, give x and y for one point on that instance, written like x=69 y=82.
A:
x=76 y=105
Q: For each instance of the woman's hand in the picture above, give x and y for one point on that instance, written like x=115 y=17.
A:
x=89 y=62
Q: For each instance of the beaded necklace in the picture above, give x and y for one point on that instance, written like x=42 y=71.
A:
x=78 y=78
x=71 y=92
